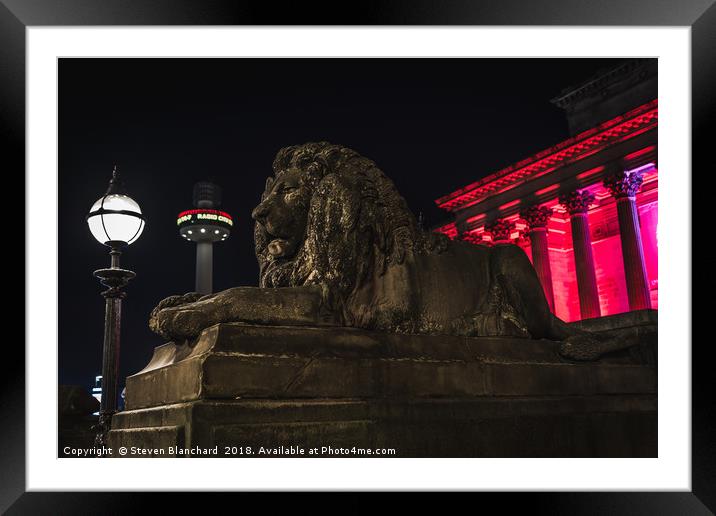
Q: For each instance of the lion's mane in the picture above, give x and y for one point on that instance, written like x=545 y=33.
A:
x=358 y=224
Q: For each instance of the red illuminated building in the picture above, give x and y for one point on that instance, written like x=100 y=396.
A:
x=584 y=210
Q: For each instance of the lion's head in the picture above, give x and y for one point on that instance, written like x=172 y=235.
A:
x=330 y=217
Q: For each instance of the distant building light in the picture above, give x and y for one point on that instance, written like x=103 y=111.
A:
x=97 y=391
x=189 y=217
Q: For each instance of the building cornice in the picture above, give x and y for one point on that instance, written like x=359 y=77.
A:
x=623 y=127
x=598 y=83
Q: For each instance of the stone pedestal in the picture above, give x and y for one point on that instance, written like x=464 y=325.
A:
x=297 y=388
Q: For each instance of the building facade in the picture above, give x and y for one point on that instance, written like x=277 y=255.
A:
x=585 y=210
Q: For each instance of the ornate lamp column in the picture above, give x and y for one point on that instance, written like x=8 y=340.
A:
x=577 y=204
x=623 y=186
x=537 y=218
x=116 y=221
x=500 y=230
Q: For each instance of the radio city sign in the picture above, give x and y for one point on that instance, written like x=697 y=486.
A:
x=199 y=217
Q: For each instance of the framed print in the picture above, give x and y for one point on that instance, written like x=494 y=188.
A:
x=426 y=247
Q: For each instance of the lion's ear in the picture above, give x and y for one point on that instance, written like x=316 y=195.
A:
x=269 y=185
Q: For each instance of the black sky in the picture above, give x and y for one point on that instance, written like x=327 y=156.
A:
x=432 y=125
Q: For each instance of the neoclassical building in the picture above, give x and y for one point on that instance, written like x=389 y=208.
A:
x=584 y=210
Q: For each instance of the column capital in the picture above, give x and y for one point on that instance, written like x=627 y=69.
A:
x=471 y=238
x=577 y=202
x=621 y=184
x=536 y=216
x=500 y=229
x=523 y=238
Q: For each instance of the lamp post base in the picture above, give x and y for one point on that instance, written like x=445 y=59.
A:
x=102 y=428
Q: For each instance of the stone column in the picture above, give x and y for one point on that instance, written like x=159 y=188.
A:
x=577 y=204
x=537 y=218
x=500 y=230
x=623 y=187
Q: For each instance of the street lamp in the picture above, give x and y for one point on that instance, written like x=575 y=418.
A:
x=116 y=221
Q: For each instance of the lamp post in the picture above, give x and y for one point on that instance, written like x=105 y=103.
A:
x=116 y=221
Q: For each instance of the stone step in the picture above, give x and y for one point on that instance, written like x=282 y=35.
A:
x=592 y=426
x=232 y=361
x=308 y=341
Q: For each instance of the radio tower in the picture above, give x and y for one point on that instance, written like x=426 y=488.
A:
x=204 y=225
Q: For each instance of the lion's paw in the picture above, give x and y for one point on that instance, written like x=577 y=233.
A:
x=170 y=302
x=179 y=323
x=580 y=348
x=489 y=325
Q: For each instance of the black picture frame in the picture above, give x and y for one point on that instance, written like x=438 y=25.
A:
x=17 y=15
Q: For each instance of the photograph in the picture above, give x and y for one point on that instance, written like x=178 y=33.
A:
x=369 y=257
x=415 y=249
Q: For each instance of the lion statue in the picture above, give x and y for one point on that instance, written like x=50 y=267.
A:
x=337 y=246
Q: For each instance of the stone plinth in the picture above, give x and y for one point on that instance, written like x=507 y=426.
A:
x=244 y=385
x=637 y=319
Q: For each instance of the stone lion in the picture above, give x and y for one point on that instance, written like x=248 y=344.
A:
x=337 y=246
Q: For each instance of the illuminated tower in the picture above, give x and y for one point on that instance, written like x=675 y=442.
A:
x=205 y=225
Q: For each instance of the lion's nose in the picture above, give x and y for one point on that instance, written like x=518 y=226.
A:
x=259 y=213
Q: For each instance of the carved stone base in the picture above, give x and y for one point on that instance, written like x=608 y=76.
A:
x=424 y=396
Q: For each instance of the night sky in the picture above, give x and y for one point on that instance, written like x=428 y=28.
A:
x=432 y=125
